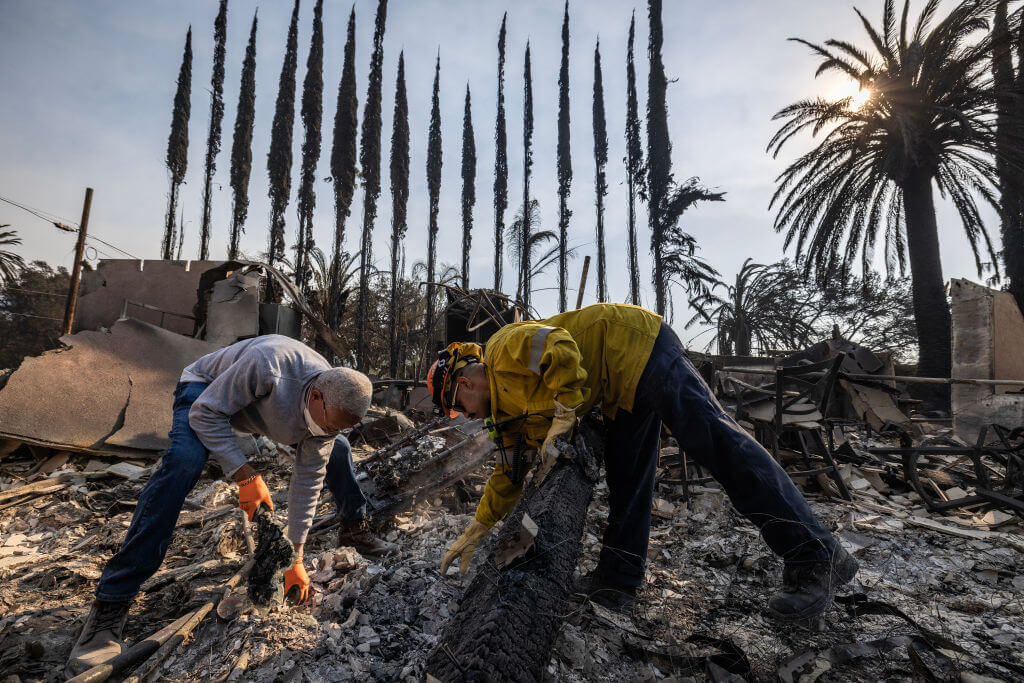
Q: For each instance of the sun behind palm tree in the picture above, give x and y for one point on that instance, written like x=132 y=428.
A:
x=929 y=120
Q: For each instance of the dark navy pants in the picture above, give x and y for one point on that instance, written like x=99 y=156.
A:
x=671 y=390
x=164 y=494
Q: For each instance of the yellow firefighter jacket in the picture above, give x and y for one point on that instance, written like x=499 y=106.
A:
x=582 y=358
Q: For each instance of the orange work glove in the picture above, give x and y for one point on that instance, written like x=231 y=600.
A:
x=297 y=576
x=251 y=493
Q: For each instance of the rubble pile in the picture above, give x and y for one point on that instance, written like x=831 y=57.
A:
x=939 y=593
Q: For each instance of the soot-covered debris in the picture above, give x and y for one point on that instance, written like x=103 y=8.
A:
x=274 y=554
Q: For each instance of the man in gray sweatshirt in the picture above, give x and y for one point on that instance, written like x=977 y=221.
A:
x=270 y=385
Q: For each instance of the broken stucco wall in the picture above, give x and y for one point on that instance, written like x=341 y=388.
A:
x=107 y=391
x=233 y=312
x=168 y=285
x=987 y=332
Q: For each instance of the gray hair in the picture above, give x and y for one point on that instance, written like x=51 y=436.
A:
x=346 y=389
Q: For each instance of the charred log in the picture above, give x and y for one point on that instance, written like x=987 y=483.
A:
x=508 y=615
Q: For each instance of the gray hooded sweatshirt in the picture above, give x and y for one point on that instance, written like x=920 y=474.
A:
x=259 y=386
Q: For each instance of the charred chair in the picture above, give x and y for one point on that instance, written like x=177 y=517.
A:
x=792 y=412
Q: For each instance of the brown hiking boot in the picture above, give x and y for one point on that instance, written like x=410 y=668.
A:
x=359 y=536
x=100 y=639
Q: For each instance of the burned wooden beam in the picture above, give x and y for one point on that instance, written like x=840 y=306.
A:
x=508 y=615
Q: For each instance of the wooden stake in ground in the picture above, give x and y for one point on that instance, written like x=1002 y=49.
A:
x=76 y=269
x=583 y=281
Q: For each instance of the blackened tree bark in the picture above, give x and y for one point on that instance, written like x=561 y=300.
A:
x=399 y=203
x=634 y=162
x=177 y=143
x=600 y=180
x=343 y=165
x=468 y=186
x=500 y=162
x=434 y=192
x=279 y=159
x=564 y=167
x=509 y=616
x=220 y=34
x=241 y=146
x=369 y=158
x=312 y=116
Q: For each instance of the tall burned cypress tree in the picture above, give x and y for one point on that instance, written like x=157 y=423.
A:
x=524 y=257
x=369 y=159
x=659 y=152
x=312 y=115
x=468 y=186
x=343 y=164
x=434 y=192
x=399 y=202
x=500 y=162
x=279 y=159
x=564 y=166
x=600 y=181
x=634 y=167
x=220 y=34
x=241 y=146
x=177 y=143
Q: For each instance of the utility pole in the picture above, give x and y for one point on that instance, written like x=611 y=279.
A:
x=76 y=269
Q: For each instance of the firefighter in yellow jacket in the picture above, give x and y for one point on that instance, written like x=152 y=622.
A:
x=535 y=378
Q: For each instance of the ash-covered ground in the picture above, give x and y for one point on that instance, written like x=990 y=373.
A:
x=709 y=578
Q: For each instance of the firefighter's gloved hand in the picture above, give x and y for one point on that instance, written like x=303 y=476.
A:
x=252 y=492
x=464 y=546
x=297 y=576
x=562 y=423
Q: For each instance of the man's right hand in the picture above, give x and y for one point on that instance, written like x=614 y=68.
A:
x=463 y=547
x=251 y=492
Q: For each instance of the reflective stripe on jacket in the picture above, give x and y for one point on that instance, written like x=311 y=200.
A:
x=582 y=358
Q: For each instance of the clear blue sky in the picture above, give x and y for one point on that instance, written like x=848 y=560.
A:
x=86 y=90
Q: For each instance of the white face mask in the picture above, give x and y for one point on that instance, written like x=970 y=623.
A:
x=311 y=424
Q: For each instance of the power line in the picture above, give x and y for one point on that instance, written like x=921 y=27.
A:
x=29 y=315
x=33 y=291
x=65 y=226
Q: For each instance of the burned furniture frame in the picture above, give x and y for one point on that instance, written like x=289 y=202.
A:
x=795 y=387
x=1003 y=487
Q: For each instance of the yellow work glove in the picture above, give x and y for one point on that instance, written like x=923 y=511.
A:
x=297 y=577
x=561 y=424
x=464 y=546
x=251 y=493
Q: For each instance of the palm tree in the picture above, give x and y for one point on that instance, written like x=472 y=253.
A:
x=524 y=238
x=11 y=264
x=468 y=186
x=768 y=305
x=927 y=124
x=312 y=116
x=399 y=203
x=600 y=178
x=434 y=161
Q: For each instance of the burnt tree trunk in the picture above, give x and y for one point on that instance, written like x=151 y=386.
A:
x=508 y=617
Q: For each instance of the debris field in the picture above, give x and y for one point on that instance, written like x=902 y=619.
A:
x=939 y=594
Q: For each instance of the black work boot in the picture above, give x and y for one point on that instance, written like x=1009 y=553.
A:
x=808 y=590
x=359 y=536
x=100 y=639
x=613 y=596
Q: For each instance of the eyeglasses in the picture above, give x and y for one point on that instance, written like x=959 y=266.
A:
x=455 y=406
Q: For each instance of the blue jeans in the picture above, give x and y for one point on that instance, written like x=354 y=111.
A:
x=671 y=390
x=164 y=494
